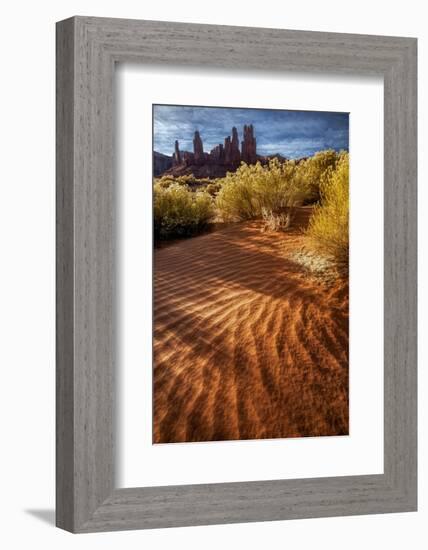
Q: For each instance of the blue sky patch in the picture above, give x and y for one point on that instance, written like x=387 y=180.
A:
x=293 y=134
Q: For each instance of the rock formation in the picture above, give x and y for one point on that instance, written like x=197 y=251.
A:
x=249 y=153
x=235 y=154
x=161 y=163
x=221 y=159
x=189 y=158
x=176 y=157
x=227 y=150
x=217 y=155
x=198 y=149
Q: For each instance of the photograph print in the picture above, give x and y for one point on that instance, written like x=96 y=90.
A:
x=250 y=274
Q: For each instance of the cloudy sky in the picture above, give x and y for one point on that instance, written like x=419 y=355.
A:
x=293 y=134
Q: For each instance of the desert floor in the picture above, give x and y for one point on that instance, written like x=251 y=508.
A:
x=247 y=345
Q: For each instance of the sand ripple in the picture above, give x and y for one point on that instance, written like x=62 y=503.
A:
x=245 y=344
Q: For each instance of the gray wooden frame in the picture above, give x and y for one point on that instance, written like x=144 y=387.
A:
x=87 y=50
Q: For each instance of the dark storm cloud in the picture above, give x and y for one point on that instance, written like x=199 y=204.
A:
x=293 y=134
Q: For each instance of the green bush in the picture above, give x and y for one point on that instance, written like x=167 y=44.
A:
x=329 y=225
x=180 y=212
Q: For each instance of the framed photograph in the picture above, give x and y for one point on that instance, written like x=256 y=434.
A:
x=236 y=274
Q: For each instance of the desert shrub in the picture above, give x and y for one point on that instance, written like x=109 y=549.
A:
x=310 y=172
x=191 y=181
x=329 y=225
x=164 y=182
x=179 y=212
x=185 y=180
x=202 y=182
x=276 y=221
x=213 y=188
x=188 y=180
x=247 y=191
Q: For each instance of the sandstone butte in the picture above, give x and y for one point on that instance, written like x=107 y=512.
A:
x=224 y=157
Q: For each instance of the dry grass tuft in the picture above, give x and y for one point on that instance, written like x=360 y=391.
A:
x=276 y=221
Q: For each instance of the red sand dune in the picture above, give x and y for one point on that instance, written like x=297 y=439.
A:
x=246 y=345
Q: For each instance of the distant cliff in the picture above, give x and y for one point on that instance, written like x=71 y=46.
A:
x=161 y=163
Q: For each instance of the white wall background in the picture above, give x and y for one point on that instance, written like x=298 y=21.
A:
x=27 y=273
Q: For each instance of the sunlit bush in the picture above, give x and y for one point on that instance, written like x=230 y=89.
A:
x=164 y=182
x=180 y=212
x=329 y=225
x=310 y=172
x=213 y=188
x=245 y=193
x=188 y=180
